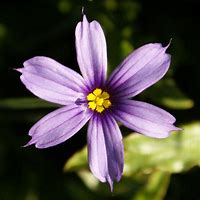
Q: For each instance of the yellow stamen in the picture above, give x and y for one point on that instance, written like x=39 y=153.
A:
x=97 y=92
x=100 y=109
x=106 y=103
x=91 y=97
x=92 y=105
x=98 y=100
x=105 y=95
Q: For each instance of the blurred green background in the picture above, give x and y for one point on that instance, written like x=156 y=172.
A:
x=154 y=169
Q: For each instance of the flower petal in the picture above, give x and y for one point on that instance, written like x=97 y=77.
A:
x=145 y=118
x=58 y=126
x=139 y=70
x=105 y=148
x=91 y=52
x=51 y=81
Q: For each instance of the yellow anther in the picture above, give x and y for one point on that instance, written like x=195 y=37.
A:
x=107 y=103
x=100 y=109
x=105 y=95
x=98 y=100
x=91 y=97
x=92 y=105
x=97 y=92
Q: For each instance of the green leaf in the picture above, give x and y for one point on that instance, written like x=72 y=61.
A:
x=167 y=93
x=25 y=103
x=149 y=163
x=89 y=180
x=77 y=161
x=177 y=153
x=155 y=187
x=174 y=154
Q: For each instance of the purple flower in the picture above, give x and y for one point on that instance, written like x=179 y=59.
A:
x=103 y=102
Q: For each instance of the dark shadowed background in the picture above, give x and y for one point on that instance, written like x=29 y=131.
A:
x=154 y=169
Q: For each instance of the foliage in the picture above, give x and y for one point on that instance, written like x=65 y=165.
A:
x=153 y=160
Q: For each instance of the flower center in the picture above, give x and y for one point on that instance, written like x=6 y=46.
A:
x=98 y=100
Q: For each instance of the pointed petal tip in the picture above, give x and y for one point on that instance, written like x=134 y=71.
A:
x=173 y=129
x=28 y=144
x=166 y=47
x=177 y=129
x=170 y=41
x=110 y=182
x=31 y=142
x=82 y=10
x=18 y=70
